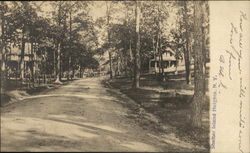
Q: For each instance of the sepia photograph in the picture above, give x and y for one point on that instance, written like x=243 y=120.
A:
x=106 y=76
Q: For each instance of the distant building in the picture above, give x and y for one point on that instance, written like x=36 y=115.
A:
x=13 y=58
x=169 y=61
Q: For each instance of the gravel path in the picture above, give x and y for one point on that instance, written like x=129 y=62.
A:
x=80 y=116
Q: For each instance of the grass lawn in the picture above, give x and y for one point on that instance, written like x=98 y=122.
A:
x=170 y=102
x=14 y=89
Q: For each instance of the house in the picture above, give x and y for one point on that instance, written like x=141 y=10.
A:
x=169 y=62
x=14 y=56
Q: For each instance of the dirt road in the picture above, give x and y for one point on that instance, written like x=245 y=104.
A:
x=80 y=116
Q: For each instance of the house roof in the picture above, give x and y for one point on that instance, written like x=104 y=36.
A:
x=168 y=49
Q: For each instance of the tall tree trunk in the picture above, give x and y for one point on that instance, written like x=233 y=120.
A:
x=160 y=45
x=80 y=71
x=73 y=74
x=3 y=50
x=118 y=66
x=162 y=68
x=131 y=59
x=188 y=44
x=158 y=52
x=110 y=54
x=161 y=58
x=58 y=71
x=35 y=63
x=70 y=41
x=58 y=68
x=154 y=50
x=125 y=45
x=176 y=66
x=22 y=55
x=110 y=65
x=205 y=31
x=44 y=78
x=54 y=62
x=187 y=64
x=137 y=64
x=69 y=61
x=162 y=64
x=198 y=67
x=126 y=66
x=32 y=64
x=204 y=55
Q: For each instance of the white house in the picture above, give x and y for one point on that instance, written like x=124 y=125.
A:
x=169 y=62
x=14 y=55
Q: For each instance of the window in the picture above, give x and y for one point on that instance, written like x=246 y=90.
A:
x=165 y=64
x=152 y=64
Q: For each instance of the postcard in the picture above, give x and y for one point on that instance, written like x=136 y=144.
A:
x=125 y=76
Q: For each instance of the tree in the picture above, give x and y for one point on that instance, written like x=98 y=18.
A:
x=137 y=64
x=59 y=39
x=205 y=37
x=3 y=44
x=40 y=40
x=199 y=75
x=154 y=32
x=71 y=10
x=23 y=17
x=123 y=35
x=188 y=45
x=182 y=34
x=122 y=39
x=108 y=15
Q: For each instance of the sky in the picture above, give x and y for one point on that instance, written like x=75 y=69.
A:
x=98 y=9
